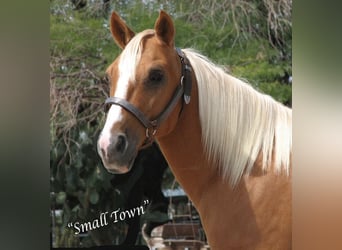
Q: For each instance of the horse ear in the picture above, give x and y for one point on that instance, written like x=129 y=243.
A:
x=165 y=29
x=121 y=33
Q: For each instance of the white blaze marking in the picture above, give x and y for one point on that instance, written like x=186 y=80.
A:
x=115 y=112
x=127 y=65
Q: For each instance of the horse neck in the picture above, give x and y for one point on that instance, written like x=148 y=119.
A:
x=213 y=197
x=184 y=151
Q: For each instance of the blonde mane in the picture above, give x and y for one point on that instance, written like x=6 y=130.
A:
x=238 y=122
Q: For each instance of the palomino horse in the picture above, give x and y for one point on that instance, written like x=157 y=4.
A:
x=228 y=145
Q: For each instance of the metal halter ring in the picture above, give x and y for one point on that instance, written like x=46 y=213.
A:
x=148 y=134
x=181 y=81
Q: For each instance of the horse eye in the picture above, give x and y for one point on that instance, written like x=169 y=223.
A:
x=155 y=76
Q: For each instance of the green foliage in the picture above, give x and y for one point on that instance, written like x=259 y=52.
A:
x=266 y=78
x=83 y=187
x=242 y=35
x=80 y=40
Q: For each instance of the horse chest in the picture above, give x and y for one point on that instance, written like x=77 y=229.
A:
x=248 y=217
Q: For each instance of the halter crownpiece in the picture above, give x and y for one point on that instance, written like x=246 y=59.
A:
x=183 y=88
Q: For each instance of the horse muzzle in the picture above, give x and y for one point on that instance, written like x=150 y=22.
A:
x=117 y=152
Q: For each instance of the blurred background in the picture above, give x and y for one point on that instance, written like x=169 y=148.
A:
x=251 y=39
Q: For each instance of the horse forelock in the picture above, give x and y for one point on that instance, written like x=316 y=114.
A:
x=131 y=55
x=238 y=123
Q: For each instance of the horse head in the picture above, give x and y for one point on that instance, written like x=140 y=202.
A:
x=145 y=89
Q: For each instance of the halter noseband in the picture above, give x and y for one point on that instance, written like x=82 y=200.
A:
x=183 y=88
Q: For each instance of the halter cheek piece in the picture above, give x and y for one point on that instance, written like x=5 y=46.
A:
x=183 y=88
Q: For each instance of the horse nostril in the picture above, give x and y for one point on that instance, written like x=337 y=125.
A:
x=120 y=144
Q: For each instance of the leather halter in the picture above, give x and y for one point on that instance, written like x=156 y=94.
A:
x=183 y=88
